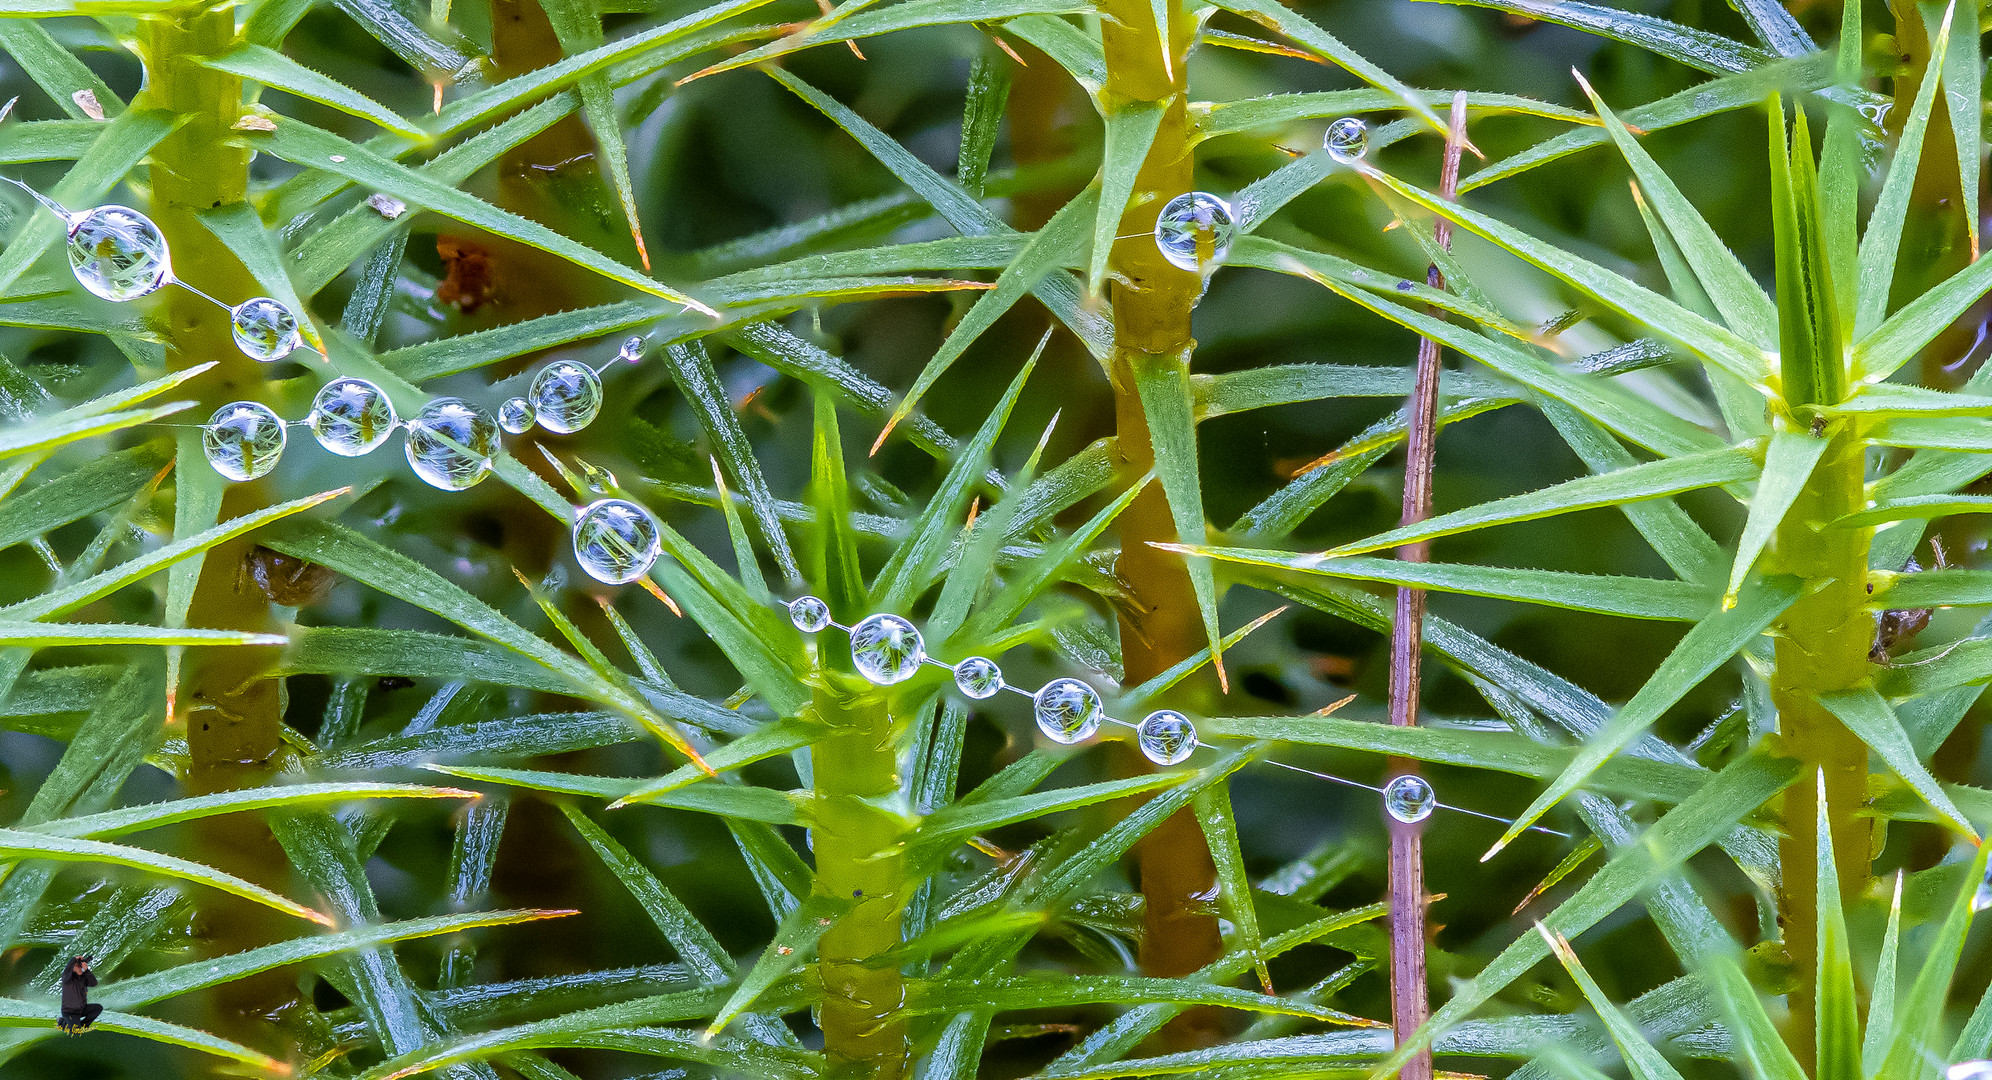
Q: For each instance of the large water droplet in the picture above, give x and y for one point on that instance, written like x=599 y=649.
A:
x=978 y=677
x=566 y=396
x=1067 y=710
x=118 y=253
x=264 y=329
x=1166 y=737
x=450 y=443
x=809 y=614
x=351 y=417
x=886 y=649
x=615 y=540
x=1346 y=139
x=243 y=440
x=1194 y=230
x=1409 y=798
x=515 y=415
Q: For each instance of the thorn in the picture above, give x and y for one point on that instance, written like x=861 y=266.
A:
x=889 y=425
x=855 y=51
x=1223 y=678
x=974 y=509
x=1005 y=46
x=1332 y=707
x=650 y=587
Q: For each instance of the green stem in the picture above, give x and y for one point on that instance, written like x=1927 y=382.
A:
x=1152 y=304
x=1822 y=647
x=233 y=713
x=860 y=845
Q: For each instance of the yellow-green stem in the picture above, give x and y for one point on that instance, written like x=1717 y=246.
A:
x=860 y=848
x=1822 y=647
x=1152 y=303
x=233 y=714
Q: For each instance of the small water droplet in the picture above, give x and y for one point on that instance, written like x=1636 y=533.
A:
x=809 y=614
x=1982 y=899
x=1194 y=230
x=1409 y=798
x=118 y=253
x=566 y=397
x=450 y=443
x=1346 y=140
x=615 y=541
x=597 y=479
x=886 y=649
x=244 y=440
x=515 y=415
x=631 y=351
x=1166 y=737
x=351 y=417
x=978 y=677
x=264 y=329
x=1067 y=710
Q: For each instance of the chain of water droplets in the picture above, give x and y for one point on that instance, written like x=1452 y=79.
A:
x=119 y=254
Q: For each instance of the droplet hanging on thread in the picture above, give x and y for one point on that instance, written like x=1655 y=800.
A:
x=515 y=415
x=264 y=329
x=1408 y=798
x=351 y=417
x=565 y=397
x=450 y=444
x=244 y=440
x=1166 y=737
x=1346 y=140
x=886 y=649
x=978 y=677
x=809 y=614
x=1194 y=231
x=118 y=253
x=1067 y=710
x=615 y=541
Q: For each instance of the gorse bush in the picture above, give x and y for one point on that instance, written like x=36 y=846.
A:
x=484 y=676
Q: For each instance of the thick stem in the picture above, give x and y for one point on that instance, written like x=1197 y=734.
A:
x=1152 y=304
x=1823 y=643
x=860 y=850
x=233 y=713
x=1408 y=1004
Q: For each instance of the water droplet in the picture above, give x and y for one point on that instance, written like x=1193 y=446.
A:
x=1408 y=798
x=450 y=443
x=264 y=329
x=978 y=677
x=597 y=479
x=566 y=396
x=1166 y=737
x=118 y=253
x=1969 y=1070
x=615 y=541
x=351 y=417
x=515 y=415
x=809 y=614
x=631 y=351
x=1982 y=899
x=243 y=440
x=886 y=649
x=1346 y=139
x=1067 y=710
x=1194 y=224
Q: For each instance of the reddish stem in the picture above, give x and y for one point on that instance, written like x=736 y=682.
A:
x=1409 y=1007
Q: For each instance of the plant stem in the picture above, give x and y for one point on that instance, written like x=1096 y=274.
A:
x=860 y=858
x=1822 y=646
x=1152 y=304
x=1408 y=1004
x=233 y=713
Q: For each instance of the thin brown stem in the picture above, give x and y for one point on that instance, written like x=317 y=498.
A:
x=1408 y=1006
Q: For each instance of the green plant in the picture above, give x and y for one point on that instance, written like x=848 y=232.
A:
x=870 y=880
